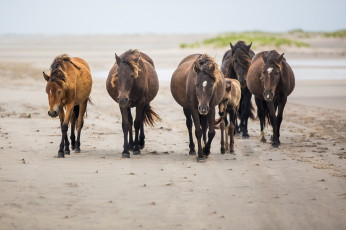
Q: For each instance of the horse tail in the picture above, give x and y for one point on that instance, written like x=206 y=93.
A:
x=150 y=116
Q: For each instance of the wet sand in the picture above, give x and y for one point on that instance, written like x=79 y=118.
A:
x=300 y=185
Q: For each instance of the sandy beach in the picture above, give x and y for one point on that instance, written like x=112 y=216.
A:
x=300 y=185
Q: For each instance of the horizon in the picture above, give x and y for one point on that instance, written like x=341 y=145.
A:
x=108 y=17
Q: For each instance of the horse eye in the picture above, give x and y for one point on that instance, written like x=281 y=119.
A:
x=59 y=92
x=277 y=72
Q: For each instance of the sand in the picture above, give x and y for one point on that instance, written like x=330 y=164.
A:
x=300 y=185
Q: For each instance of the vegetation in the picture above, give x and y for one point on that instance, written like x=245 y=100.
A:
x=338 y=34
x=258 y=39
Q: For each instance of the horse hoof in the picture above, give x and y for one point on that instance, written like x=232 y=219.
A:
x=125 y=155
x=77 y=150
x=222 y=151
x=136 y=152
x=245 y=136
x=67 y=152
x=263 y=140
x=141 y=146
x=206 y=151
x=61 y=155
x=232 y=151
x=201 y=159
x=275 y=145
x=73 y=147
x=192 y=152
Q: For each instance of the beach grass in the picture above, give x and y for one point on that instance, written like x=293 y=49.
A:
x=258 y=39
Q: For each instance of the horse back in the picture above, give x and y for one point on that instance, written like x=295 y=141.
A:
x=83 y=83
x=179 y=80
x=253 y=81
x=289 y=79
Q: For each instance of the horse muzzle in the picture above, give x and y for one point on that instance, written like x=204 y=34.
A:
x=268 y=96
x=53 y=113
x=203 y=109
x=123 y=101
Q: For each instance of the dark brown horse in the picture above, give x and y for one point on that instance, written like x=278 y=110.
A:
x=198 y=86
x=235 y=64
x=271 y=80
x=133 y=82
x=68 y=86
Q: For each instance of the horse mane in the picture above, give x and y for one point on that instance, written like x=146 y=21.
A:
x=271 y=57
x=60 y=60
x=243 y=53
x=207 y=65
x=58 y=74
x=132 y=58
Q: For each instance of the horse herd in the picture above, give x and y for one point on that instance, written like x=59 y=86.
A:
x=198 y=85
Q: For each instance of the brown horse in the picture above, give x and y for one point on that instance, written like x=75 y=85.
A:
x=229 y=105
x=68 y=87
x=133 y=82
x=198 y=86
x=235 y=65
x=271 y=80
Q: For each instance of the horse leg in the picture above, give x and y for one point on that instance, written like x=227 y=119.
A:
x=222 y=128
x=125 y=127
x=138 y=123
x=233 y=118
x=130 y=119
x=273 y=120
x=73 y=126
x=246 y=112
x=261 y=116
x=204 y=124
x=211 y=132
x=279 y=117
x=80 y=123
x=64 y=128
x=198 y=134
x=142 y=137
x=189 y=127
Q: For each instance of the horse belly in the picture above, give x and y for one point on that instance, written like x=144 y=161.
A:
x=178 y=89
x=83 y=88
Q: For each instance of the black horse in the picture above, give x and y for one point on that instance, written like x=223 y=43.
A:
x=235 y=64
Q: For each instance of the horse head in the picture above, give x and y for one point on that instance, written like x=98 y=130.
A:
x=271 y=73
x=240 y=60
x=56 y=90
x=127 y=73
x=207 y=76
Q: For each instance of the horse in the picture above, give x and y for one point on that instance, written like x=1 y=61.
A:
x=235 y=65
x=133 y=82
x=68 y=87
x=271 y=80
x=229 y=105
x=198 y=86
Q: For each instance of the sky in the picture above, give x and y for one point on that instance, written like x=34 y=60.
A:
x=168 y=17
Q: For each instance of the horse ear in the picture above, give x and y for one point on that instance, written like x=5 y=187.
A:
x=232 y=47
x=117 y=58
x=196 y=67
x=46 y=77
x=264 y=57
x=279 y=60
x=249 y=46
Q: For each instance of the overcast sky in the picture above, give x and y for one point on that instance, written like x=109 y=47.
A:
x=165 y=17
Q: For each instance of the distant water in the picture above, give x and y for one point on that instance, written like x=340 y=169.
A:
x=303 y=70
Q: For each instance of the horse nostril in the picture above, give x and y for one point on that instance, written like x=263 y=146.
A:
x=55 y=113
x=117 y=100
x=126 y=100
